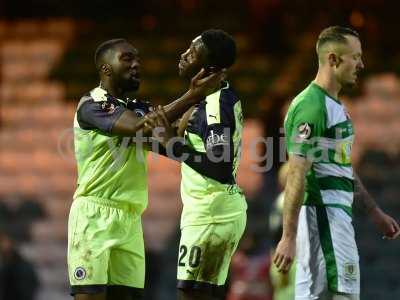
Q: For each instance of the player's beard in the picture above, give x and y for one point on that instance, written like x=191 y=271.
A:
x=350 y=85
x=130 y=86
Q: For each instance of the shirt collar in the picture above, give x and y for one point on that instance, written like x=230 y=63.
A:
x=100 y=94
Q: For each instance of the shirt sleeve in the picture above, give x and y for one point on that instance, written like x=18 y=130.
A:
x=306 y=126
x=99 y=115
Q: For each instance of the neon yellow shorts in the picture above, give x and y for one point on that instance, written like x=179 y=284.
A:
x=105 y=244
x=205 y=252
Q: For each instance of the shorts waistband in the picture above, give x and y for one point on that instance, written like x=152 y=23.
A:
x=128 y=207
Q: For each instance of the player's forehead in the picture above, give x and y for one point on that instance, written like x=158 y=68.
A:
x=353 y=45
x=197 y=44
x=125 y=48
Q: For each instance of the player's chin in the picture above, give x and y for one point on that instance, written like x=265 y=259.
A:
x=351 y=83
x=355 y=79
x=133 y=84
x=187 y=73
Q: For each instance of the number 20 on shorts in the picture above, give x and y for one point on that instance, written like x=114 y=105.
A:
x=194 y=256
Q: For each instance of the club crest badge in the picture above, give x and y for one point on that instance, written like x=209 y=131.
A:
x=108 y=107
x=80 y=273
x=304 y=130
x=350 y=271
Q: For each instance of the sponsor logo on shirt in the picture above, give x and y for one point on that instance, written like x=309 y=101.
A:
x=216 y=139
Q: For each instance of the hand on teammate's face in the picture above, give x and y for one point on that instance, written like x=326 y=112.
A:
x=203 y=84
x=284 y=254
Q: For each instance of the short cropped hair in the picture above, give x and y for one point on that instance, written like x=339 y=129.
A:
x=336 y=34
x=103 y=48
x=221 y=48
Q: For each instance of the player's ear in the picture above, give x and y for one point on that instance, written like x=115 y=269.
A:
x=105 y=69
x=334 y=59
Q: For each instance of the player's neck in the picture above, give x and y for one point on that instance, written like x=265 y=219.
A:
x=111 y=89
x=328 y=83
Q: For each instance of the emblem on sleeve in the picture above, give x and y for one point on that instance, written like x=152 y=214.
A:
x=108 y=107
x=304 y=130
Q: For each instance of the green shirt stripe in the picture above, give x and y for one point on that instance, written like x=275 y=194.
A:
x=336 y=183
x=347 y=209
x=312 y=192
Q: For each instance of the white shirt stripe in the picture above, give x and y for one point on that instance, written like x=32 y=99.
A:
x=335 y=112
x=337 y=197
x=329 y=143
x=322 y=170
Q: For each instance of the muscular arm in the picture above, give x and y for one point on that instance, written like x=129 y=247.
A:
x=215 y=162
x=128 y=123
x=294 y=194
x=182 y=123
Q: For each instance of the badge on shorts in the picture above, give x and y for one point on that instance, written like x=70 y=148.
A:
x=350 y=271
x=80 y=273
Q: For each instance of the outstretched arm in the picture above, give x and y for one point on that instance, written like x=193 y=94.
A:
x=294 y=195
x=385 y=223
x=215 y=163
x=128 y=123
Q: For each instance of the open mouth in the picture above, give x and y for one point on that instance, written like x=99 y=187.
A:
x=135 y=76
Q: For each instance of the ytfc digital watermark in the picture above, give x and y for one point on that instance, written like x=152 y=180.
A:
x=215 y=146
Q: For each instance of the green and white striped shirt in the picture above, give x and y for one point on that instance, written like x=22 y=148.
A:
x=318 y=127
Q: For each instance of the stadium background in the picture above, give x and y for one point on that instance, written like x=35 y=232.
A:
x=46 y=57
